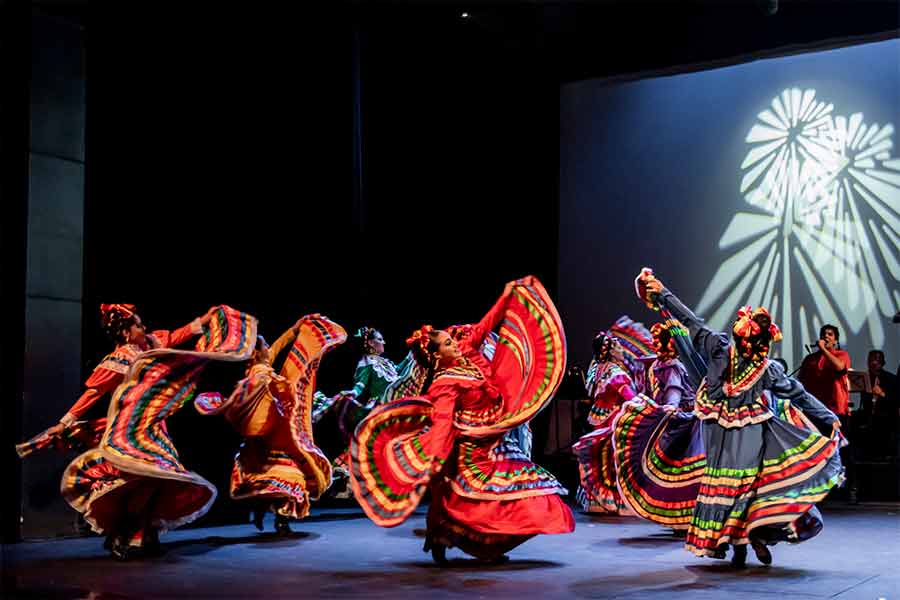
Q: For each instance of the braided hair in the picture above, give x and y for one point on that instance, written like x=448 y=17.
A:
x=362 y=337
x=423 y=343
x=602 y=346
x=663 y=342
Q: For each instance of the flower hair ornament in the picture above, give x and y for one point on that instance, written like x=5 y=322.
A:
x=109 y=312
x=112 y=315
x=115 y=317
x=418 y=343
x=363 y=333
x=755 y=331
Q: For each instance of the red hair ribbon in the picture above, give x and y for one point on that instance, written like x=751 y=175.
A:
x=745 y=326
x=123 y=310
x=420 y=338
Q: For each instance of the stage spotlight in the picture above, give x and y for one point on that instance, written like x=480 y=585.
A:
x=464 y=15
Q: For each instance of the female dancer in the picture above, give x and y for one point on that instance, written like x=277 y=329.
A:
x=521 y=436
x=124 y=327
x=377 y=380
x=132 y=486
x=658 y=448
x=485 y=497
x=763 y=474
x=611 y=383
x=278 y=463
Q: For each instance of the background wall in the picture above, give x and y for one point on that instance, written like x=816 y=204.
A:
x=735 y=197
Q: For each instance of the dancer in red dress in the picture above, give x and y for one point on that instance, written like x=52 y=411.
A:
x=487 y=497
x=133 y=486
x=124 y=327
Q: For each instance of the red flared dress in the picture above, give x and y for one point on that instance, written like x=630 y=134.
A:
x=487 y=496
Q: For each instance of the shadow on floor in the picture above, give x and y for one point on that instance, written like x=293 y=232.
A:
x=458 y=564
x=199 y=546
x=651 y=541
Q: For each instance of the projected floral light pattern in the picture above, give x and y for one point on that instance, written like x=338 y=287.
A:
x=824 y=217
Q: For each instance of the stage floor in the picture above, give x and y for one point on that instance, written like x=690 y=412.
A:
x=340 y=554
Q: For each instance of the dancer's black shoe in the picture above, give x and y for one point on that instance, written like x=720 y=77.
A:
x=439 y=553
x=282 y=525
x=739 y=556
x=762 y=552
x=258 y=516
x=124 y=552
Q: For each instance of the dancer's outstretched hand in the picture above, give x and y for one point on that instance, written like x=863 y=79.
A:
x=56 y=429
x=655 y=286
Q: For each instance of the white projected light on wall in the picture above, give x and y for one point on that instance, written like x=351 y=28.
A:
x=823 y=223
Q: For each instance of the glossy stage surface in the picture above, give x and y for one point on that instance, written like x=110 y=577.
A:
x=337 y=553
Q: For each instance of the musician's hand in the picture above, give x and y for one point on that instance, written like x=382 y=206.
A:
x=655 y=286
x=835 y=426
x=821 y=345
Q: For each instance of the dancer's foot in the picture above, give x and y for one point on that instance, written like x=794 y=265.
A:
x=439 y=553
x=282 y=525
x=124 y=552
x=81 y=526
x=739 y=556
x=258 y=516
x=344 y=493
x=763 y=554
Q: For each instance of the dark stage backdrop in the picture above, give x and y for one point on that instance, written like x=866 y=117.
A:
x=773 y=182
x=221 y=170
